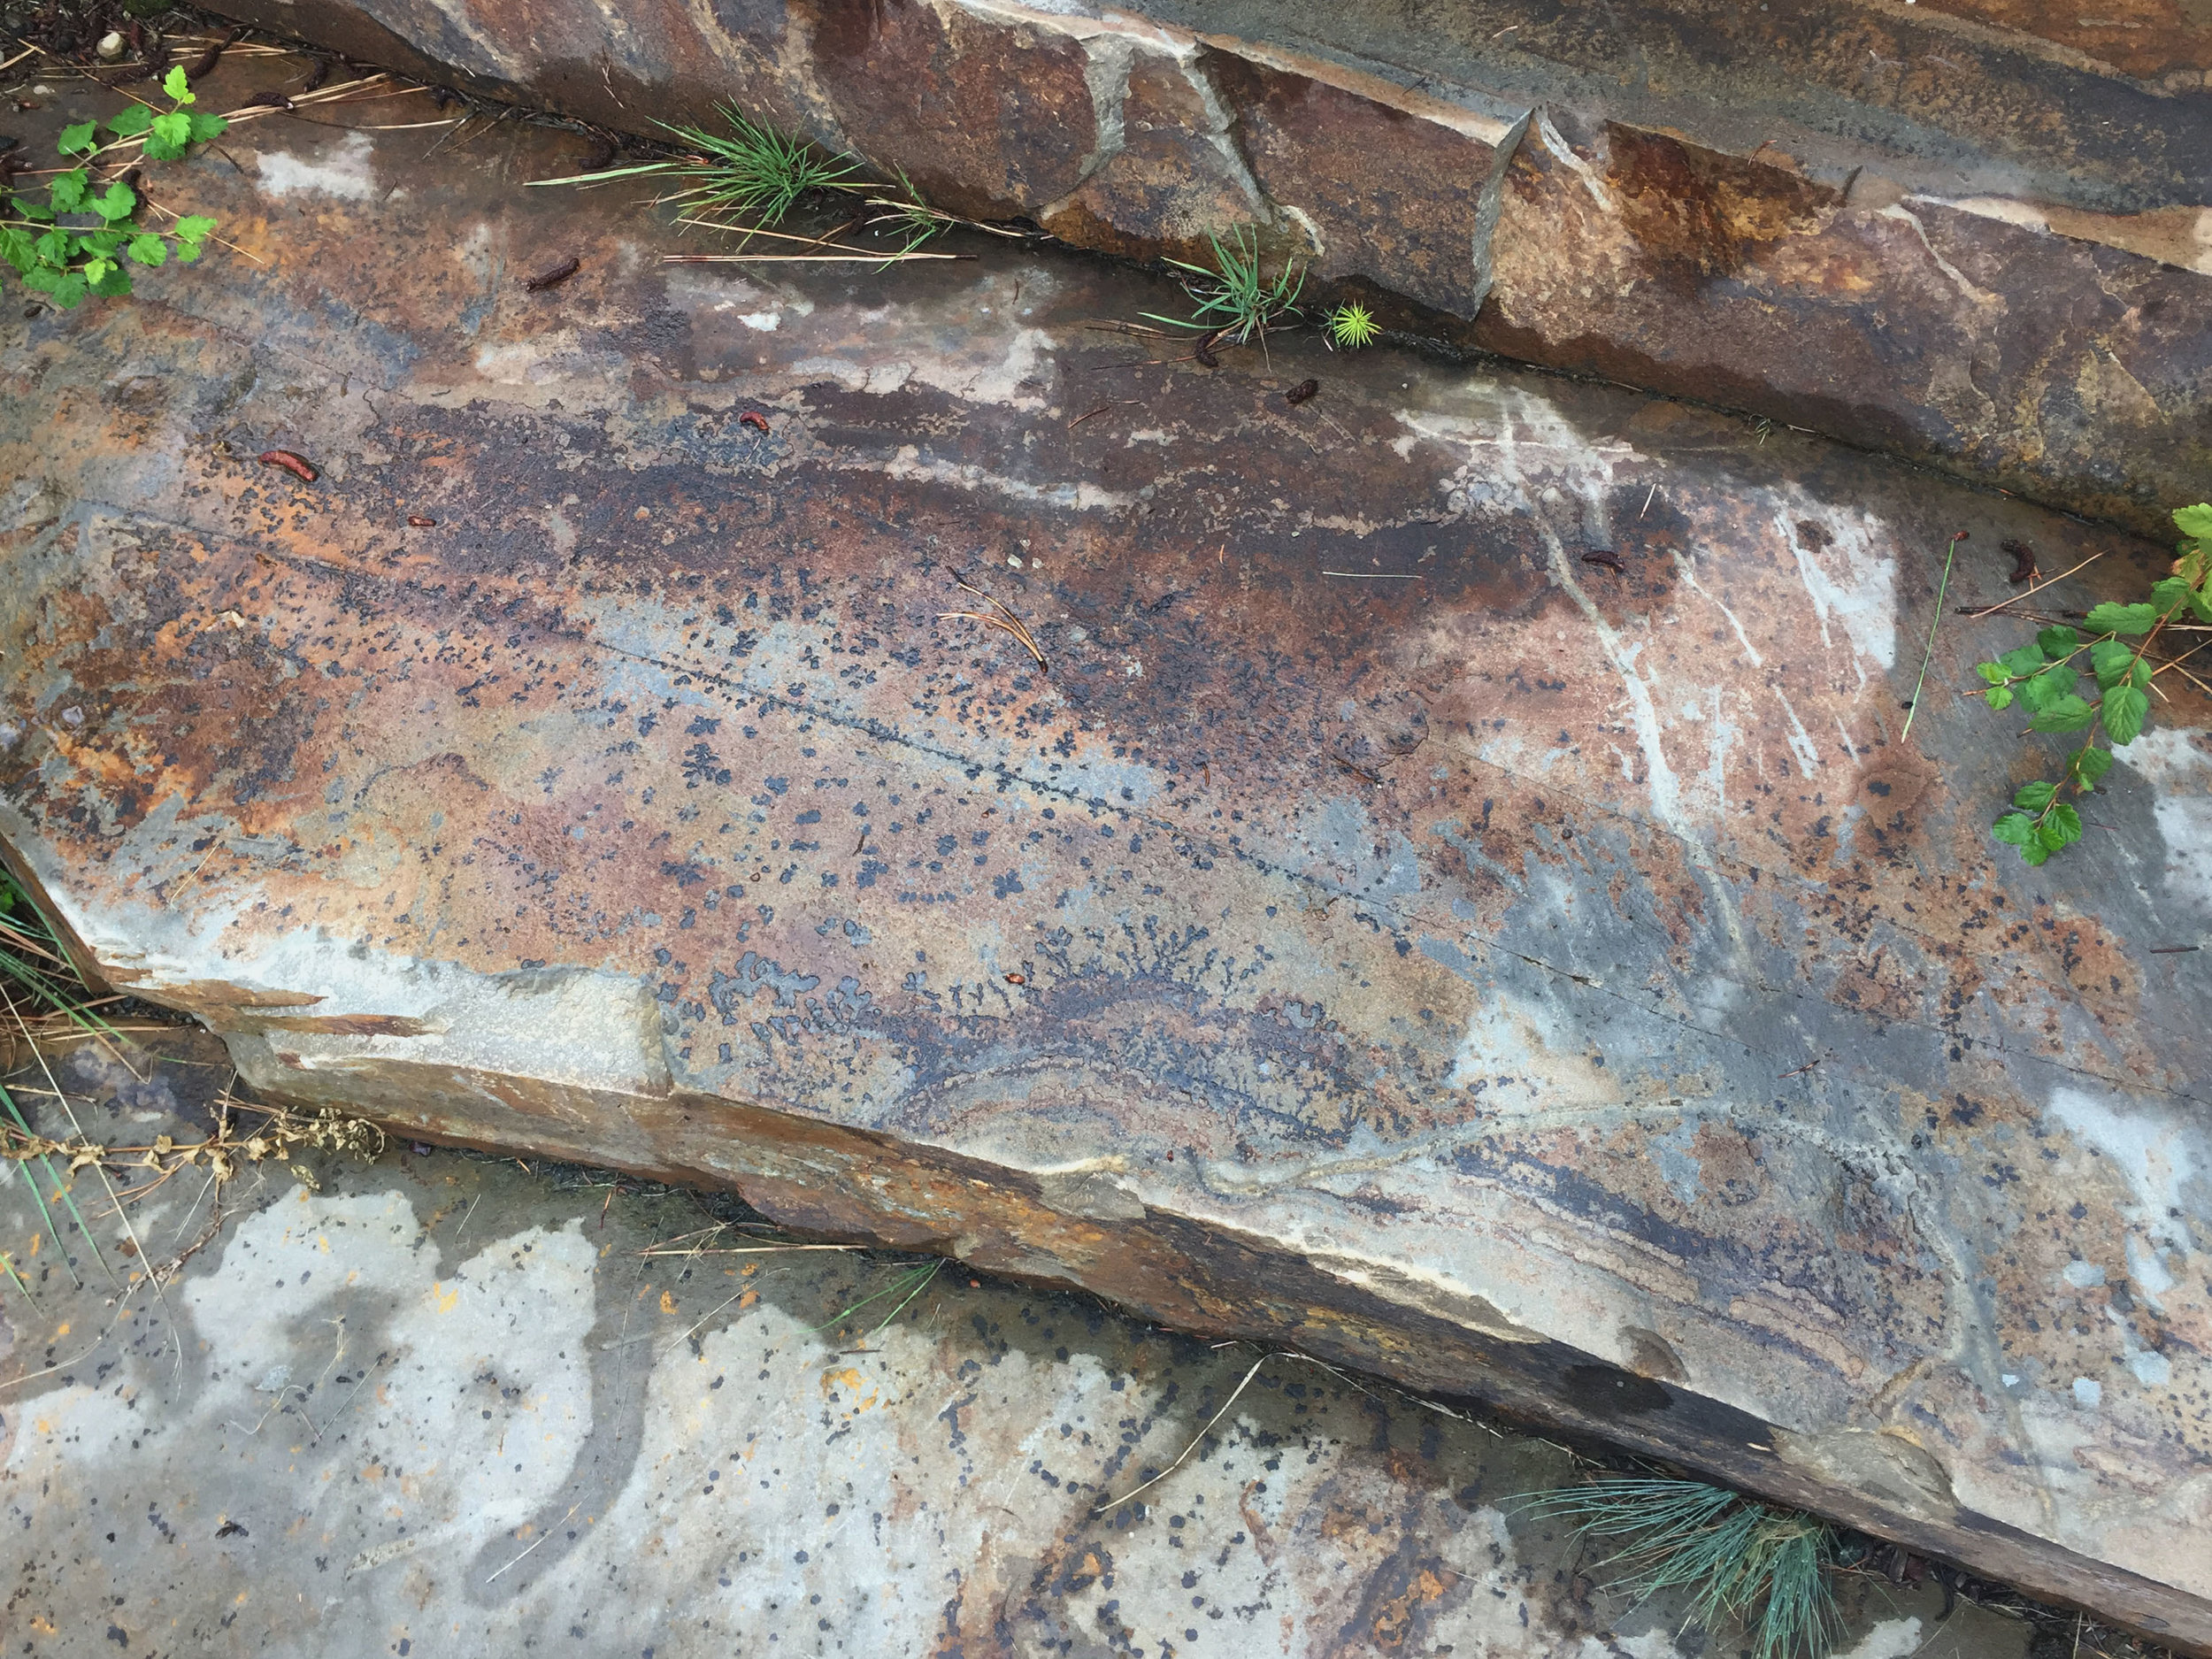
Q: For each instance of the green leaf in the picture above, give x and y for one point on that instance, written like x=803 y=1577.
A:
x=2046 y=688
x=2111 y=618
x=207 y=126
x=2015 y=829
x=2201 y=602
x=2125 y=709
x=78 y=135
x=2026 y=661
x=55 y=247
x=113 y=283
x=2089 y=764
x=65 y=288
x=1998 y=696
x=2059 y=829
x=119 y=202
x=2169 y=592
x=175 y=87
x=2033 y=797
x=95 y=269
x=2110 y=659
x=1993 y=672
x=34 y=210
x=16 y=248
x=2058 y=642
x=2069 y=714
x=2196 y=521
x=131 y=121
x=149 y=249
x=2035 y=852
x=167 y=136
x=103 y=242
x=193 y=227
x=187 y=252
x=68 y=193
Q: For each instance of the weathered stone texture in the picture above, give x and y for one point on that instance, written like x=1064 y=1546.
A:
x=1978 y=249
x=1513 y=975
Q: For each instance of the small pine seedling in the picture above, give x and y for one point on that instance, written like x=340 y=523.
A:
x=1739 y=1559
x=2042 y=675
x=1352 y=326
x=1232 y=298
x=76 y=243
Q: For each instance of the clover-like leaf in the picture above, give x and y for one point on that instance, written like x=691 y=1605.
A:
x=55 y=247
x=119 y=202
x=79 y=136
x=2059 y=829
x=1998 y=696
x=166 y=135
x=148 y=248
x=2069 y=713
x=2089 y=764
x=2046 y=688
x=193 y=227
x=2110 y=659
x=176 y=88
x=131 y=121
x=207 y=126
x=2125 y=709
x=67 y=192
x=2111 y=618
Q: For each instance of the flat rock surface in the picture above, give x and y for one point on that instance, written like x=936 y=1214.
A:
x=1457 y=896
x=442 y=1405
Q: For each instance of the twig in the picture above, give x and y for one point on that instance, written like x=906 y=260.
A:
x=1934 y=622
x=2036 y=587
x=1377 y=576
x=542 y=1537
x=804 y=258
x=1112 y=1503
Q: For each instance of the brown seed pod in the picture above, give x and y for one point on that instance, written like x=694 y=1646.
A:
x=299 y=466
x=749 y=418
x=1612 y=561
x=1299 y=393
x=421 y=523
x=553 y=278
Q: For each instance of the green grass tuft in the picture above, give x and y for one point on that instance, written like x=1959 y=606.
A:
x=1234 y=299
x=756 y=172
x=1739 y=1560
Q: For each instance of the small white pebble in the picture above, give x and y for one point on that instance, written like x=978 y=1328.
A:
x=111 y=46
x=1013 y=562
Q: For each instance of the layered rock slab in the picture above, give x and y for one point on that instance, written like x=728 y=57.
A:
x=1380 y=926
x=1979 y=234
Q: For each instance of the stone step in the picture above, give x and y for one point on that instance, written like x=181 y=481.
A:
x=1973 y=233
x=1380 y=926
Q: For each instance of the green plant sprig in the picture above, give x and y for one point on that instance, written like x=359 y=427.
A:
x=1232 y=299
x=2040 y=821
x=76 y=242
x=1352 y=326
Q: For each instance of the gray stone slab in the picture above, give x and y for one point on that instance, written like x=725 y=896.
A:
x=1383 y=932
x=441 y=1405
